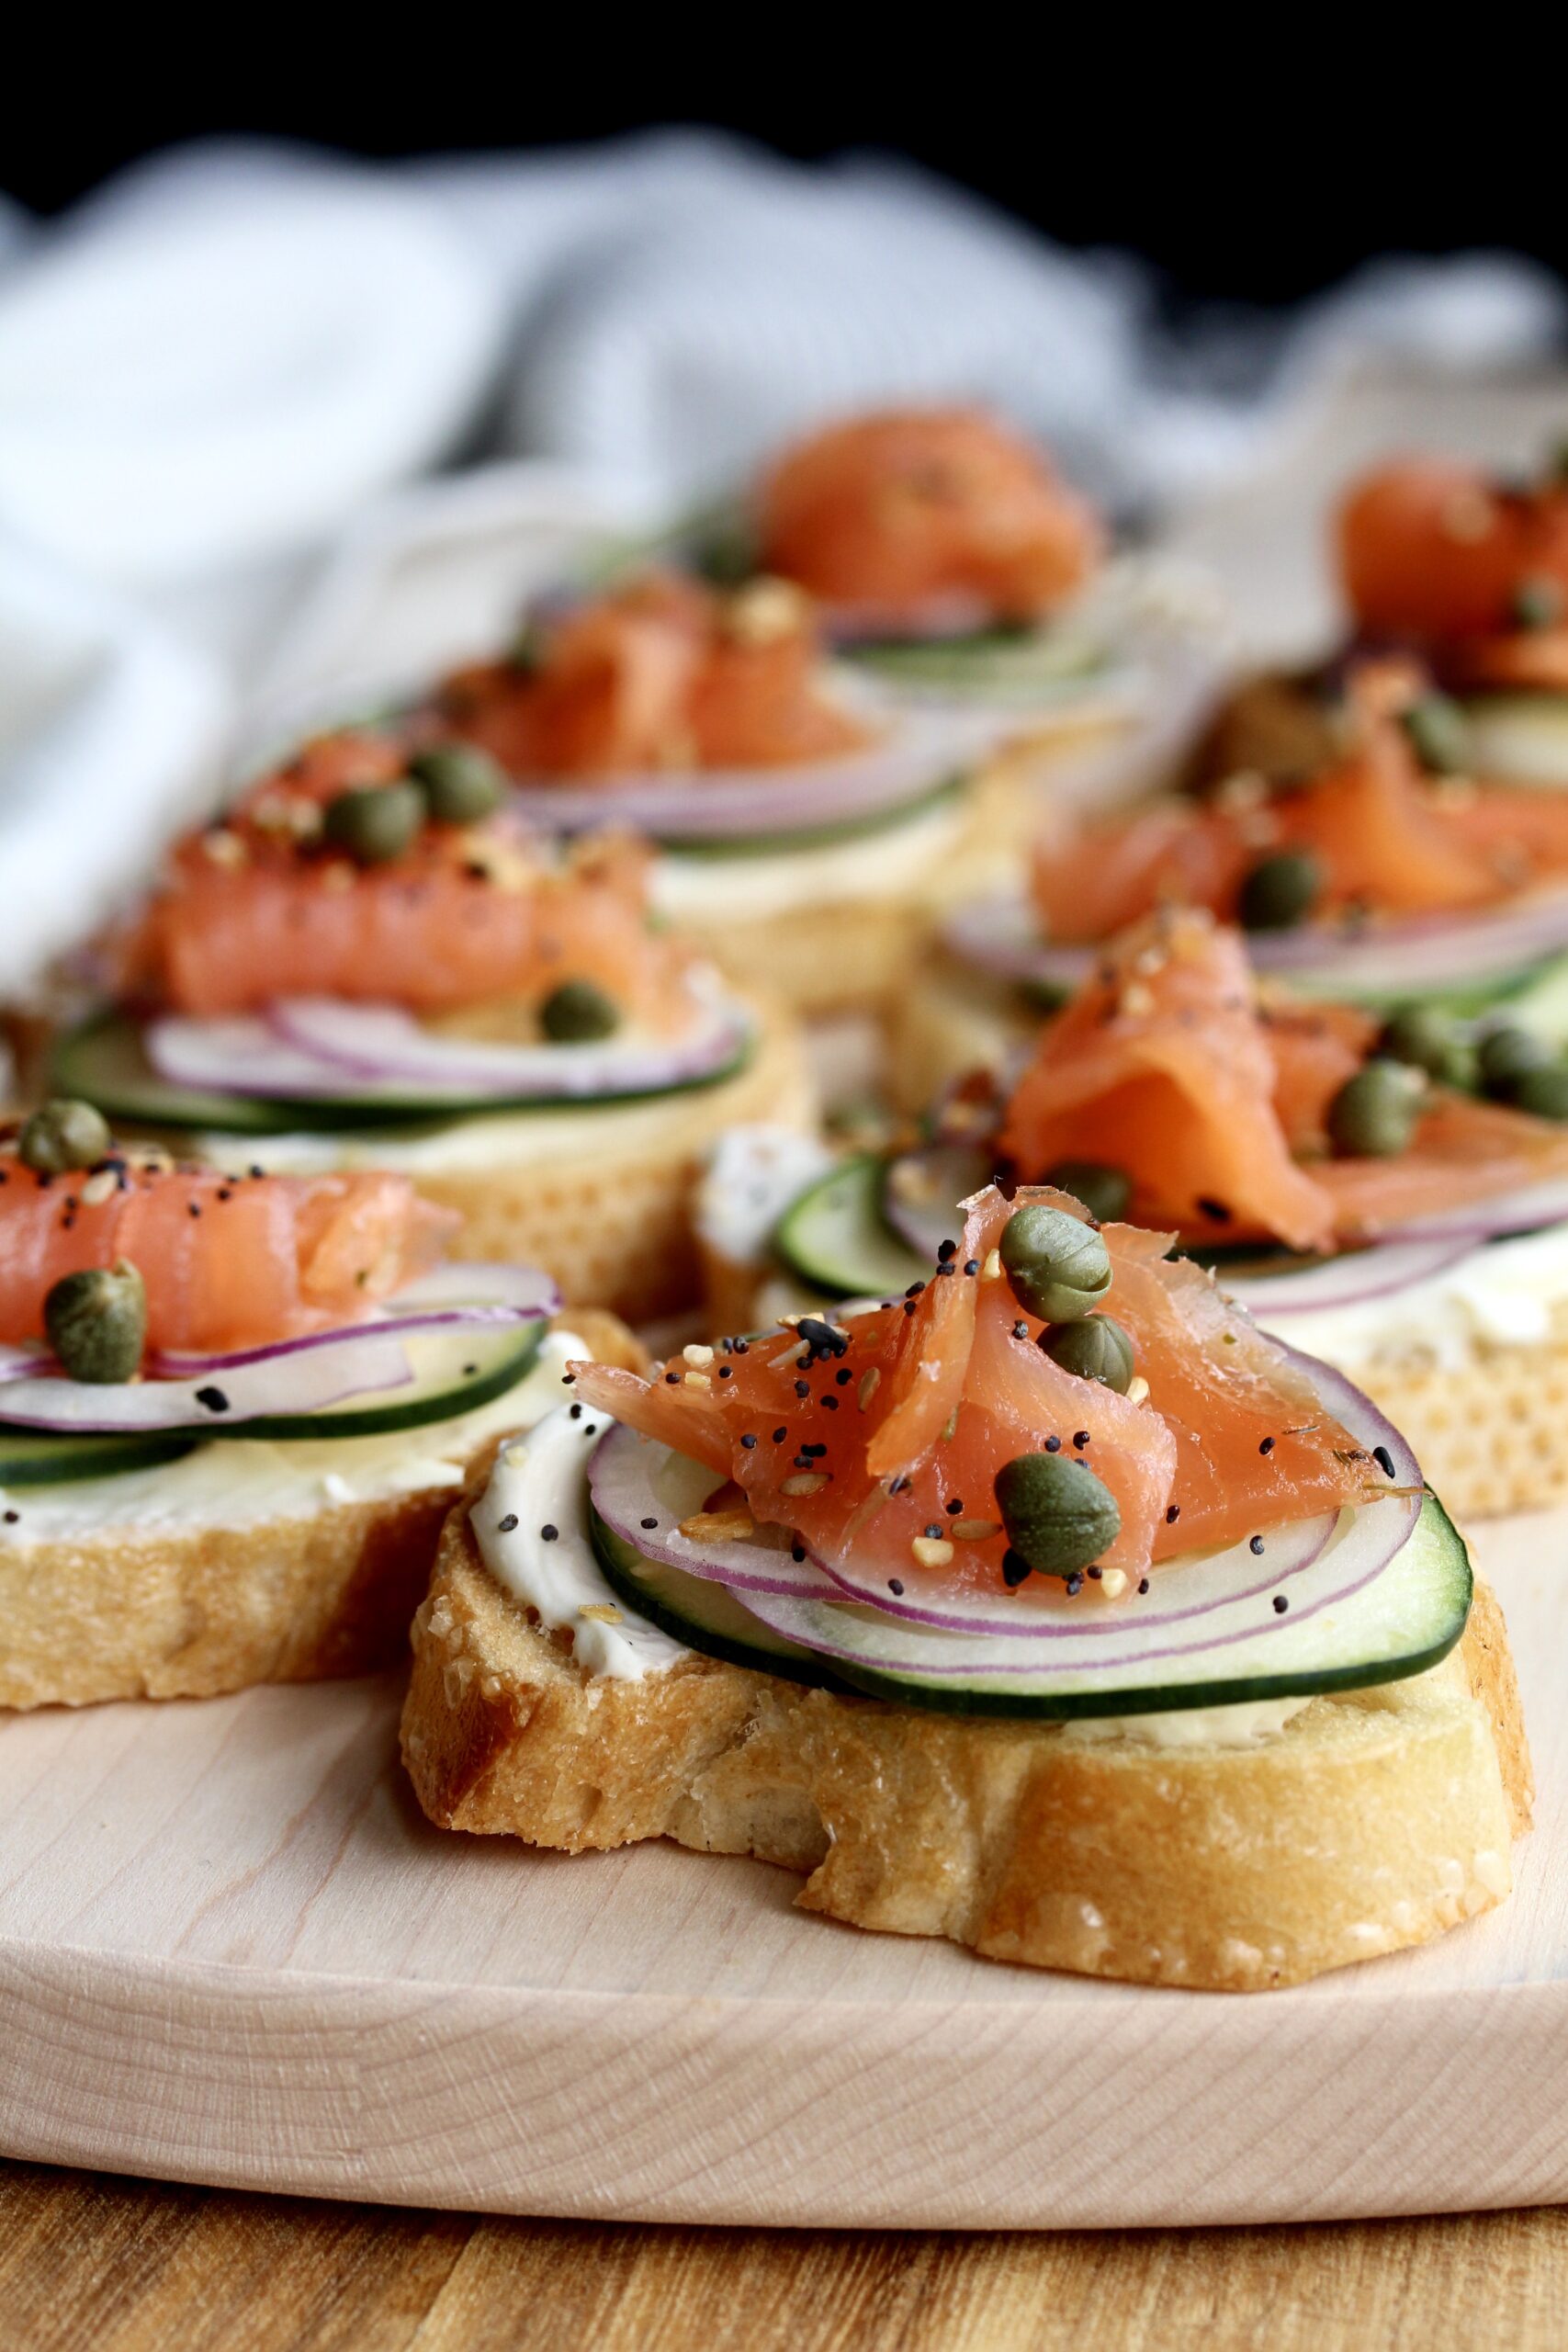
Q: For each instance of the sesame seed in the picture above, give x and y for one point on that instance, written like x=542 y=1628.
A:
x=955 y=1507
x=933 y=1532
x=780 y=1435
x=1173 y=1514
x=1052 y=1444
x=895 y=1584
x=932 y=1552
x=1266 y=1445
x=971 y=1265
x=548 y=1533
x=803 y=1388
x=504 y=1526
x=748 y=1441
x=1080 y=1439
x=1280 y=1604
x=1255 y=1543
x=213 y=1398
x=1143 y=1584
x=1113 y=1582
x=1021 y=1331
x=1074 y=1585
x=843 y=1377
x=1383 y=1459
x=649 y=1522
x=947 y=1249
x=575 y=1413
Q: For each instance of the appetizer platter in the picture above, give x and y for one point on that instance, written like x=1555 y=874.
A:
x=1023 y=1628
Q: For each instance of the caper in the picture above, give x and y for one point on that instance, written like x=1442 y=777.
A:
x=1043 y=995
x=1507 y=1056
x=1538 y=602
x=373 y=822
x=1438 y=735
x=577 y=1012
x=1459 y=1065
x=1429 y=1039
x=1374 y=1114
x=1544 y=1092
x=1057 y=1514
x=460 y=782
x=62 y=1136
x=1094 y=1347
x=1059 y=1267
x=95 y=1322
x=1281 y=890
x=1104 y=1192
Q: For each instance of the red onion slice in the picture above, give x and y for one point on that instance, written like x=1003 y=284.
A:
x=1532 y=1208
x=633 y=1480
x=304 y=1374
x=1126 y=1641
x=1000 y=935
x=919 y=752
x=455 y=1297
x=1348 y=1281
x=307 y=1048
x=364 y=1363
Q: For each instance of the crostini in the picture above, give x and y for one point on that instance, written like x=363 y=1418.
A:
x=371 y=962
x=234 y=1409
x=1378 y=878
x=1051 y=1608
x=1389 y=1195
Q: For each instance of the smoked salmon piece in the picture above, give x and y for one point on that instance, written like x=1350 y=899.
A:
x=256 y=907
x=1161 y=1067
x=228 y=1261
x=1387 y=839
x=1434 y=550
x=821 y=1462
x=895 y=518
x=1213 y=1099
x=662 y=672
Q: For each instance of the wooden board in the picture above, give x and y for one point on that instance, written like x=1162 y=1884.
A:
x=231 y=1950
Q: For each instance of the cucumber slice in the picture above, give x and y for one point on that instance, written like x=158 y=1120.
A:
x=1540 y=1004
x=43 y=1458
x=103 y=1061
x=1519 y=738
x=704 y=1615
x=823 y=836
x=835 y=1237
x=1026 y=663
x=1405 y=1621
x=456 y=1372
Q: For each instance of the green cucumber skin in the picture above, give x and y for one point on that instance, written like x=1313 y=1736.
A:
x=616 y=1556
x=42 y=1458
x=39 y=1458
x=101 y=1062
x=948 y=1698
x=849 y=1199
x=824 y=836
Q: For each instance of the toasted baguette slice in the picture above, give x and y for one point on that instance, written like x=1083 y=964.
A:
x=1376 y=1819
x=159 y=1602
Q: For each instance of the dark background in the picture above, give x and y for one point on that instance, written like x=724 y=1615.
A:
x=1255 y=161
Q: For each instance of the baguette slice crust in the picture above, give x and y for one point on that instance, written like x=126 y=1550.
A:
x=1377 y=1819
x=188 y=1613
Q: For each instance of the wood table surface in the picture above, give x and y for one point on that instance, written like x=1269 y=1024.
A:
x=130 y=2266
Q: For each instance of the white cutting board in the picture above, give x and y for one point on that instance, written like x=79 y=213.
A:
x=231 y=1950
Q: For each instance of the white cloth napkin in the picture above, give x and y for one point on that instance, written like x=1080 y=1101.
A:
x=218 y=365
x=109 y=733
